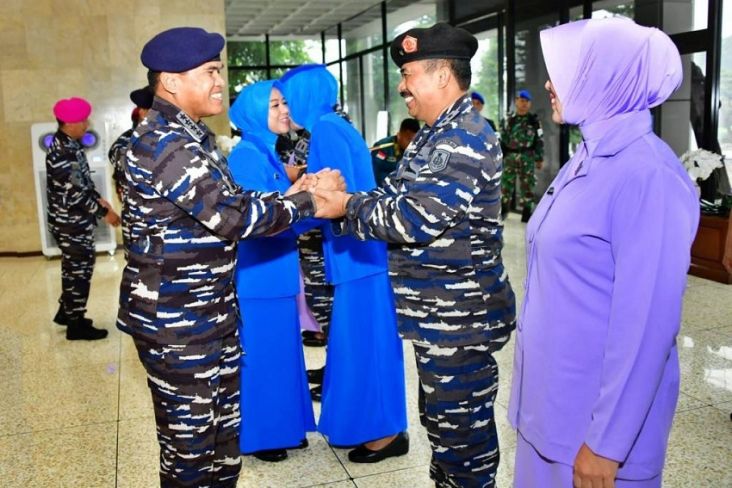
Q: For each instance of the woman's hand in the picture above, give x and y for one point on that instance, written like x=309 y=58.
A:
x=593 y=471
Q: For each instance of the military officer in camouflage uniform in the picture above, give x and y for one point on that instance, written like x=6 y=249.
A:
x=523 y=152
x=387 y=152
x=74 y=207
x=142 y=98
x=177 y=296
x=454 y=300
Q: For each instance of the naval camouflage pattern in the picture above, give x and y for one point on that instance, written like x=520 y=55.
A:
x=73 y=210
x=442 y=206
x=117 y=153
x=185 y=215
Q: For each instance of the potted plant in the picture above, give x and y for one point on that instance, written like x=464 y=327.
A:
x=711 y=253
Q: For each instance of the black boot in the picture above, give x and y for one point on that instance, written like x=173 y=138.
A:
x=78 y=330
x=62 y=319
x=526 y=214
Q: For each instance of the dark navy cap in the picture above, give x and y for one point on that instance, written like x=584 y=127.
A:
x=524 y=94
x=181 y=49
x=477 y=96
x=441 y=41
x=142 y=97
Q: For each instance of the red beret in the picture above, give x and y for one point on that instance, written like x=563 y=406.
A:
x=72 y=110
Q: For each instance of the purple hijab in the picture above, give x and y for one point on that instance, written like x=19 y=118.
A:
x=603 y=68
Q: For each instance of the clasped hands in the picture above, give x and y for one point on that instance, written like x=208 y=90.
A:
x=329 y=190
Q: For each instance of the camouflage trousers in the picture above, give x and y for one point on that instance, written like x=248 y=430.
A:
x=77 y=266
x=195 y=393
x=460 y=386
x=518 y=166
x=318 y=293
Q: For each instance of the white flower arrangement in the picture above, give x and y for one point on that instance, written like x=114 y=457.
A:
x=700 y=163
x=226 y=144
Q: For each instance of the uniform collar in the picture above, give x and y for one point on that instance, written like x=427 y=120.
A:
x=198 y=131
x=459 y=106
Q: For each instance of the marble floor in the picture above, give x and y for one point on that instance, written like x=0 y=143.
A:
x=78 y=414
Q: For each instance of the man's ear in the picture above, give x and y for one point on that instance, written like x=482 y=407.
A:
x=169 y=82
x=444 y=75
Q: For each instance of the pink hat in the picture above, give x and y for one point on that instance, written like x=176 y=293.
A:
x=72 y=110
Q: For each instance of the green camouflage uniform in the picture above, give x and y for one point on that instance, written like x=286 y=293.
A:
x=523 y=147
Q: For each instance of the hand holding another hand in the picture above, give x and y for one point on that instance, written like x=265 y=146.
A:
x=330 y=204
x=330 y=179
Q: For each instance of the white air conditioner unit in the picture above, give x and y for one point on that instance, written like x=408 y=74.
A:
x=41 y=133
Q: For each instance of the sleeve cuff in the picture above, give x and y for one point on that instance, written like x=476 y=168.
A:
x=305 y=204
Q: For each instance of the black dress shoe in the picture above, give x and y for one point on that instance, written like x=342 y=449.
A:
x=399 y=446
x=315 y=376
x=271 y=455
x=313 y=339
x=302 y=444
x=316 y=393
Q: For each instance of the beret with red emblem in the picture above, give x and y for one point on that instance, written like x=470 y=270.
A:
x=441 y=41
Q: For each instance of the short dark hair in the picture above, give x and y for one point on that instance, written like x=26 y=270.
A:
x=60 y=123
x=153 y=78
x=409 y=125
x=460 y=69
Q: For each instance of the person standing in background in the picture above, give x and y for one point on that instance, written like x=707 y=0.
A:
x=74 y=207
x=522 y=141
x=387 y=152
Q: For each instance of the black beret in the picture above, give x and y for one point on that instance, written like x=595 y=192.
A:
x=180 y=49
x=441 y=41
x=142 y=97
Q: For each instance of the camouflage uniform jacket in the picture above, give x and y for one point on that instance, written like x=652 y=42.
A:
x=73 y=201
x=185 y=216
x=116 y=156
x=442 y=206
x=523 y=134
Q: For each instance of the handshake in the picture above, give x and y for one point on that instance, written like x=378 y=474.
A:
x=328 y=189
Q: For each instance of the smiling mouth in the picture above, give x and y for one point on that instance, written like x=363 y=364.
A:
x=217 y=96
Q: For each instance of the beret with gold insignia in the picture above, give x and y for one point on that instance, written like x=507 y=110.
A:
x=441 y=41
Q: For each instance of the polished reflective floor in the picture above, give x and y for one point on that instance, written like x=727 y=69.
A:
x=77 y=414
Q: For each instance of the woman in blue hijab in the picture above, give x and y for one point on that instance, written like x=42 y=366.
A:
x=276 y=409
x=363 y=398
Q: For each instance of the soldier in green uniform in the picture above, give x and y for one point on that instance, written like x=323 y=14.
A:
x=387 y=152
x=523 y=150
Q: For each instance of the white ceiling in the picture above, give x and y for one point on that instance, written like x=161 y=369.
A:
x=245 y=18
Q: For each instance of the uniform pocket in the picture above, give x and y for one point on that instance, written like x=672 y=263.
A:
x=140 y=291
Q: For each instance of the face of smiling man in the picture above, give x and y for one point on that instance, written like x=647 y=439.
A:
x=420 y=88
x=198 y=92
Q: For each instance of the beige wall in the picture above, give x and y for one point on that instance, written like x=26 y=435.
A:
x=51 y=49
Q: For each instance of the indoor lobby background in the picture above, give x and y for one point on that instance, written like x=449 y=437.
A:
x=80 y=415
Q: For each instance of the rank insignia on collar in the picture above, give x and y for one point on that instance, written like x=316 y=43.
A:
x=439 y=160
x=190 y=126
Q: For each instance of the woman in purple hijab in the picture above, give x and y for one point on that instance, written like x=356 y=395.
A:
x=596 y=371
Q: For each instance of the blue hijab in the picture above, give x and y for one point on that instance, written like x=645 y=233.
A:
x=250 y=113
x=311 y=91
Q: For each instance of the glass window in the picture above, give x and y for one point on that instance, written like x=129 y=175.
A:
x=239 y=78
x=373 y=89
x=724 y=133
x=421 y=13
x=352 y=92
x=246 y=53
x=684 y=15
x=294 y=52
x=613 y=8
x=331 y=45
x=484 y=66
x=363 y=31
x=682 y=116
